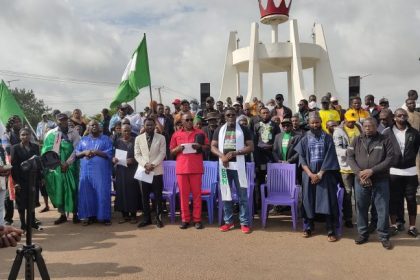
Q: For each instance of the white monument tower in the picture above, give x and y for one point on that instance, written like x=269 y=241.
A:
x=290 y=57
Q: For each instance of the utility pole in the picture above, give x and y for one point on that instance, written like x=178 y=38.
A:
x=160 y=96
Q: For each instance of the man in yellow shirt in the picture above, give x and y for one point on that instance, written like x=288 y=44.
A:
x=326 y=114
x=356 y=110
x=343 y=136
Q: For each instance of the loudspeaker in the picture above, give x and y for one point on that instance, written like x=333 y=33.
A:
x=354 y=87
x=204 y=93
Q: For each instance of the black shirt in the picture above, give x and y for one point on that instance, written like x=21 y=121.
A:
x=230 y=138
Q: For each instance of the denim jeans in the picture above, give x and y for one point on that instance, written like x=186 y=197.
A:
x=232 y=176
x=2 y=199
x=379 y=193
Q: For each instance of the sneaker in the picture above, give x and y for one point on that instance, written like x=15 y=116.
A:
x=184 y=225
x=245 y=229
x=393 y=230
x=198 y=225
x=226 y=227
x=361 y=240
x=386 y=244
x=413 y=232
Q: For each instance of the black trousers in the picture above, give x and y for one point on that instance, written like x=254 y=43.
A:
x=9 y=209
x=403 y=187
x=156 y=187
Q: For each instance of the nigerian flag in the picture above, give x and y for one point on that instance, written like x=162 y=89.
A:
x=8 y=107
x=136 y=76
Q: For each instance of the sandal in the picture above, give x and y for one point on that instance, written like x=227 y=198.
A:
x=332 y=238
x=307 y=233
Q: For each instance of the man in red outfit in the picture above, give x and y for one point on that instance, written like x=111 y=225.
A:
x=189 y=168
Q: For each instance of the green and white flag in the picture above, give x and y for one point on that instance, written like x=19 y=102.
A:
x=136 y=76
x=8 y=107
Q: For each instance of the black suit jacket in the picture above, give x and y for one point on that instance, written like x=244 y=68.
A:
x=292 y=156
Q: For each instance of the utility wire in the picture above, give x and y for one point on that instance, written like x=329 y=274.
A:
x=56 y=79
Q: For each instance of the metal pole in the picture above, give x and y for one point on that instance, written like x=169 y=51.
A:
x=32 y=129
x=160 y=95
x=150 y=90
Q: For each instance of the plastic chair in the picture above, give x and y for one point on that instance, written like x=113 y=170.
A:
x=340 y=198
x=209 y=186
x=280 y=189
x=250 y=175
x=169 y=186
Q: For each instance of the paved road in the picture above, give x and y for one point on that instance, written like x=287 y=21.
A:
x=125 y=252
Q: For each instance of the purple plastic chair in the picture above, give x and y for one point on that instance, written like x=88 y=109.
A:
x=340 y=198
x=280 y=189
x=209 y=186
x=250 y=175
x=169 y=186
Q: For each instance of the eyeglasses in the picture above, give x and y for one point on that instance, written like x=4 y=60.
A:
x=188 y=120
x=230 y=115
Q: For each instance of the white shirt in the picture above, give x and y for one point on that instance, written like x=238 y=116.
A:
x=400 y=136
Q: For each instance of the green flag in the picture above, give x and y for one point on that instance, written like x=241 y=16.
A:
x=136 y=76
x=8 y=105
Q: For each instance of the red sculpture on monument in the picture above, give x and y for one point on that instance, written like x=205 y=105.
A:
x=273 y=14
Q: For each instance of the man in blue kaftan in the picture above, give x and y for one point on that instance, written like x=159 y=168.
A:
x=318 y=159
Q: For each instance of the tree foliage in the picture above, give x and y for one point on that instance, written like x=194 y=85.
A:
x=31 y=106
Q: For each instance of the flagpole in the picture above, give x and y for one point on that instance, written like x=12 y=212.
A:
x=33 y=131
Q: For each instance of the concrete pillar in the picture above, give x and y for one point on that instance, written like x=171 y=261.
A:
x=323 y=77
x=296 y=69
x=275 y=33
x=254 y=72
x=230 y=80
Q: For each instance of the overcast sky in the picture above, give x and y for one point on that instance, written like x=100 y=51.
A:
x=187 y=39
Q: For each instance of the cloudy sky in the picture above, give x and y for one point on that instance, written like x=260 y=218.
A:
x=92 y=40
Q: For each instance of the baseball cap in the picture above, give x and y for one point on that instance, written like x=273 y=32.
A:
x=236 y=103
x=185 y=101
x=334 y=99
x=383 y=100
x=61 y=116
x=212 y=116
x=286 y=120
x=350 y=116
x=176 y=102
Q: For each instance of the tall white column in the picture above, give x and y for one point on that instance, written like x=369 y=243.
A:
x=297 y=74
x=254 y=72
x=323 y=77
x=230 y=80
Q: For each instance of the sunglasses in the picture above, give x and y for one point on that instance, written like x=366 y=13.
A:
x=230 y=115
x=402 y=116
x=188 y=120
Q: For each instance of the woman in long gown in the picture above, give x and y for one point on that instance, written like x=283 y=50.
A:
x=18 y=154
x=128 y=195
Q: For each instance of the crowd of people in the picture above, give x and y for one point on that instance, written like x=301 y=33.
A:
x=370 y=151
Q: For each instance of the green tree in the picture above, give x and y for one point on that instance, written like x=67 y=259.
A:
x=31 y=106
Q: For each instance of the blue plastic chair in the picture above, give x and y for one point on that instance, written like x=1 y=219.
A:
x=209 y=186
x=250 y=175
x=280 y=189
